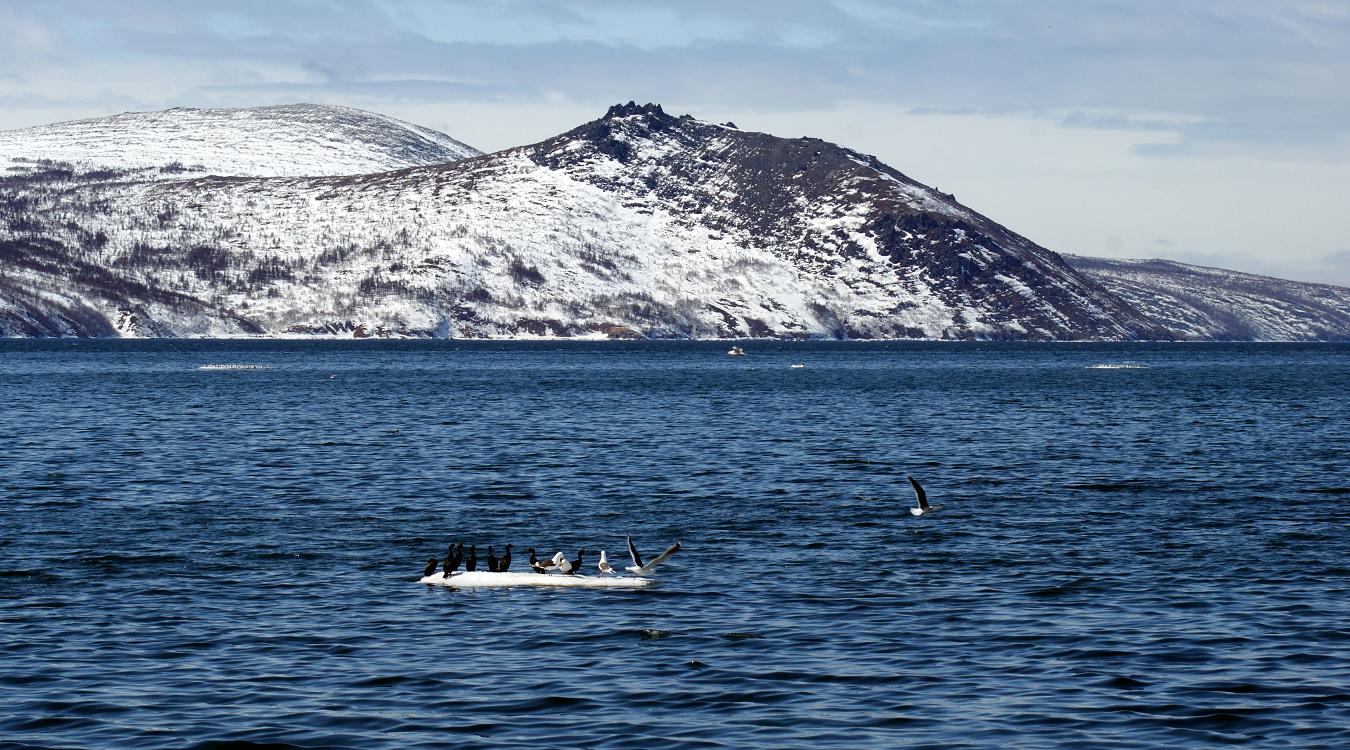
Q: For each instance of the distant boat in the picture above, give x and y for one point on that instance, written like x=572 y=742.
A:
x=736 y=351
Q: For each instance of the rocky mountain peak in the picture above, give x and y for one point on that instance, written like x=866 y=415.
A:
x=633 y=108
x=847 y=217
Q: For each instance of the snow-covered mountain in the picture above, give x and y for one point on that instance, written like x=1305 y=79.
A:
x=1200 y=303
x=287 y=140
x=638 y=223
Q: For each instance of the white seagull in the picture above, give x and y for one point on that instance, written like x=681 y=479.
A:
x=924 y=507
x=544 y=566
x=638 y=568
x=564 y=565
x=604 y=565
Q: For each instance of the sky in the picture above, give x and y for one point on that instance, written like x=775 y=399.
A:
x=1208 y=131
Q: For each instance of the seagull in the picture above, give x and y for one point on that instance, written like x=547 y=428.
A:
x=924 y=507
x=491 y=560
x=638 y=568
x=604 y=565
x=505 y=561
x=431 y=567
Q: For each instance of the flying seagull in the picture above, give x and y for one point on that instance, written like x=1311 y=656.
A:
x=924 y=507
x=638 y=567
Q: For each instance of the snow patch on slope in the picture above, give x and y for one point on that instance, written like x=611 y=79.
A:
x=1201 y=303
x=285 y=140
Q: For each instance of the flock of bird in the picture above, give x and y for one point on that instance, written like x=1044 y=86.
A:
x=454 y=557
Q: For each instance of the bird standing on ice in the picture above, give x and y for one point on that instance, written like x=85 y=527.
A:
x=504 y=564
x=430 y=568
x=638 y=568
x=604 y=565
x=924 y=507
x=572 y=567
x=541 y=566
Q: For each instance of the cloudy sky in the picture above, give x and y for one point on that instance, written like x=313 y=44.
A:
x=1211 y=131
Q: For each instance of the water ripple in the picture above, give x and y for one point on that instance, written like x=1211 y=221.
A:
x=229 y=559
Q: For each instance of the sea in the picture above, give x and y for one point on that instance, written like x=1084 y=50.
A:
x=1136 y=545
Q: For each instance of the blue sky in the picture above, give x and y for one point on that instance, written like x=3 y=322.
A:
x=1213 y=131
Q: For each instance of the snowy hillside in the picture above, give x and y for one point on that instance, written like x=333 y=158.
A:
x=289 y=140
x=1200 y=303
x=638 y=223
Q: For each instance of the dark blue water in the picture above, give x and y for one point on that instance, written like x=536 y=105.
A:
x=1143 y=558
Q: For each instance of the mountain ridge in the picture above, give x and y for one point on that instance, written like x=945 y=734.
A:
x=279 y=140
x=1208 y=303
x=636 y=223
